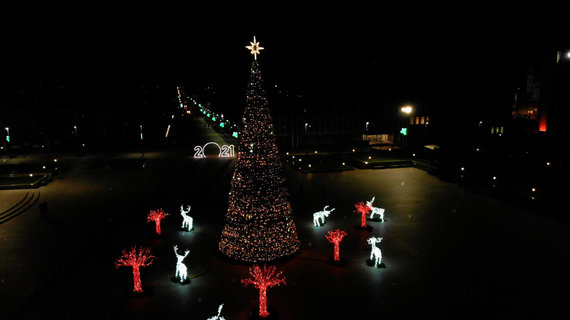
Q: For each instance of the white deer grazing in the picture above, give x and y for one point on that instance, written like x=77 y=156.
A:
x=181 y=270
x=218 y=317
x=375 y=210
x=320 y=216
x=187 y=221
x=375 y=253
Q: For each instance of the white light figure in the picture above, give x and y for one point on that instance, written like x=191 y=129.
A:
x=225 y=151
x=320 y=216
x=375 y=253
x=375 y=210
x=181 y=269
x=218 y=317
x=187 y=221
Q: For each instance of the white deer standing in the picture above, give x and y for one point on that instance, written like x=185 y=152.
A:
x=181 y=270
x=320 y=216
x=187 y=221
x=218 y=317
x=375 y=253
x=375 y=210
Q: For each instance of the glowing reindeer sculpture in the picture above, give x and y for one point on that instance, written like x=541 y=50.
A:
x=181 y=270
x=187 y=221
x=375 y=210
x=375 y=253
x=319 y=216
x=218 y=317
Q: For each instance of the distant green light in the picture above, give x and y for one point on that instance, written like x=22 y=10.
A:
x=222 y=124
x=208 y=115
x=404 y=131
x=235 y=134
x=213 y=118
x=7 y=138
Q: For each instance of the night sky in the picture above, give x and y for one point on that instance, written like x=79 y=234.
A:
x=444 y=59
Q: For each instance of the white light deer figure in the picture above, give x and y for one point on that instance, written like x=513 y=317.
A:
x=187 y=221
x=181 y=270
x=320 y=216
x=375 y=253
x=218 y=317
x=375 y=210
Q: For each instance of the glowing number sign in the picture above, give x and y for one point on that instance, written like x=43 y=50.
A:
x=226 y=151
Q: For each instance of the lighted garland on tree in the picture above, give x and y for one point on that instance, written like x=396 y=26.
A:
x=135 y=259
x=335 y=237
x=362 y=209
x=262 y=279
x=156 y=216
x=259 y=221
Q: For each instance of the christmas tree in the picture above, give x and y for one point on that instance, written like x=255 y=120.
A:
x=259 y=222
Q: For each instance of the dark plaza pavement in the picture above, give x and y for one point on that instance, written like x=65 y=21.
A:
x=449 y=253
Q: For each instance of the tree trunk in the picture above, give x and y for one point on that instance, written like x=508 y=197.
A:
x=336 y=252
x=363 y=220
x=157 y=223
x=137 y=279
x=263 y=302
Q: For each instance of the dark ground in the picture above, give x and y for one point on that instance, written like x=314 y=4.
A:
x=448 y=253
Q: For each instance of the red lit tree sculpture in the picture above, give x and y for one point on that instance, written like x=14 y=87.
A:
x=263 y=279
x=135 y=259
x=156 y=216
x=259 y=221
x=335 y=237
x=362 y=209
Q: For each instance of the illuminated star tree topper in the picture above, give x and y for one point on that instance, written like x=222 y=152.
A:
x=263 y=279
x=254 y=48
x=135 y=259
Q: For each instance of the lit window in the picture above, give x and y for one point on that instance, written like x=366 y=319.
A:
x=422 y=120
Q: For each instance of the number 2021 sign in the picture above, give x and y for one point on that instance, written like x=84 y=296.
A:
x=225 y=151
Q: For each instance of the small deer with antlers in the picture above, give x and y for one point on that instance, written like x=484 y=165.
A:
x=375 y=210
x=181 y=269
x=187 y=221
x=375 y=253
x=218 y=317
x=320 y=216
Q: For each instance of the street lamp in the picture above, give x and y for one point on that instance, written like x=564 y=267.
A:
x=406 y=109
x=7 y=134
x=306 y=125
x=141 y=132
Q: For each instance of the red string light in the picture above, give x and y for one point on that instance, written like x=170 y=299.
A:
x=135 y=259
x=362 y=209
x=262 y=279
x=156 y=216
x=335 y=237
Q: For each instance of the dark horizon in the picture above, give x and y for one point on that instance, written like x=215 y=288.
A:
x=448 y=61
